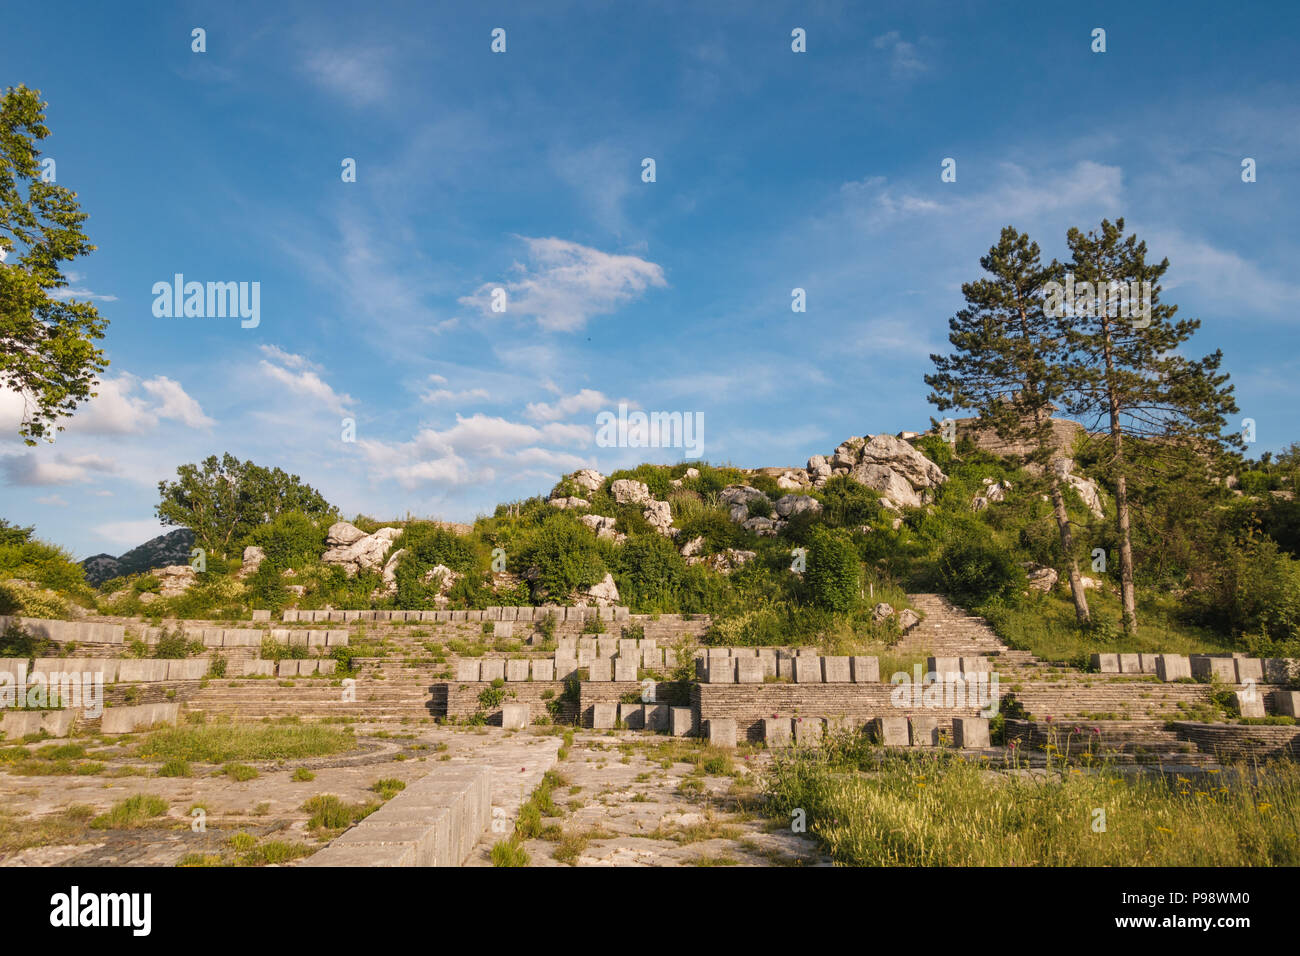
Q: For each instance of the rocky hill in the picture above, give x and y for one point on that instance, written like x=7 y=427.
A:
x=166 y=549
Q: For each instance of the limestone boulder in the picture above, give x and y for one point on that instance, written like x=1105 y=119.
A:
x=737 y=498
x=629 y=492
x=882 y=612
x=604 y=526
x=1041 y=578
x=787 y=506
x=564 y=503
x=365 y=553
x=605 y=593
x=253 y=558
x=174 y=580
x=659 y=514
x=908 y=619
x=588 y=479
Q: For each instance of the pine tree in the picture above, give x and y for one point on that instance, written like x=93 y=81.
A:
x=1124 y=370
x=1007 y=368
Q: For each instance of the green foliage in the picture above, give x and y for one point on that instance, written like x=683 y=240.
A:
x=834 y=571
x=224 y=500
x=975 y=570
x=564 y=553
x=49 y=356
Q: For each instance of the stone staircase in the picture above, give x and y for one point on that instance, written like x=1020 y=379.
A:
x=949 y=631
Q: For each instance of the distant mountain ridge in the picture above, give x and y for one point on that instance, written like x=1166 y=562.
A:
x=171 y=548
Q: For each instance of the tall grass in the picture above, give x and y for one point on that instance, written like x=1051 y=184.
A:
x=943 y=810
x=225 y=743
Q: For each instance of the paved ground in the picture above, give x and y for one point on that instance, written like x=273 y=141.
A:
x=53 y=811
x=628 y=799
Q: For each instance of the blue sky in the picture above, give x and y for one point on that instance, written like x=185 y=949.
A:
x=522 y=170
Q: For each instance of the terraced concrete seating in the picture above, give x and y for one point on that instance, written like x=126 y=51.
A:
x=527 y=614
x=803 y=668
x=298 y=638
x=16 y=724
x=125 y=720
x=66 y=632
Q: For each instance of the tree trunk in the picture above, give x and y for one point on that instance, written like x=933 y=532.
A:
x=1127 y=596
x=1081 y=612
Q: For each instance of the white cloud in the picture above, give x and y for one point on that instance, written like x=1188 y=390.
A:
x=567 y=284
x=904 y=60
x=84 y=295
x=175 y=403
x=439 y=395
x=360 y=77
x=304 y=381
x=46 y=468
x=54 y=501
x=586 y=400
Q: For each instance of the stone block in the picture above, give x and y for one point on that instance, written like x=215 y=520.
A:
x=1105 y=663
x=308 y=667
x=1130 y=664
x=632 y=716
x=681 y=721
x=1281 y=670
x=543 y=670
x=627 y=647
x=601 y=669
x=749 y=670
x=976 y=665
x=503 y=629
x=467 y=671
x=808 y=670
x=298 y=638
x=566 y=666
x=568 y=645
x=1249 y=669
x=808 y=731
x=517 y=669
x=287 y=667
x=337 y=638
x=625 y=668
x=1171 y=667
x=656 y=717
x=605 y=646
x=971 y=733
x=836 y=670
x=604 y=716
x=261 y=615
x=15 y=667
x=722 y=670
x=1148 y=663
x=492 y=668
x=767 y=659
x=943 y=666
x=290 y=615
x=527 y=614
x=622 y=614
x=190 y=669
x=125 y=720
x=924 y=731
x=1287 y=702
x=722 y=732
x=652 y=658
x=1223 y=669
x=777 y=732
x=326 y=665
x=259 y=668
x=212 y=636
x=142 y=669
x=1249 y=703
x=785 y=667
x=514 y=716
x=589 y=644
x=866 y=670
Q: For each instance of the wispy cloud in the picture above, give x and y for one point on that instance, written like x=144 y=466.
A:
x=565 y=284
